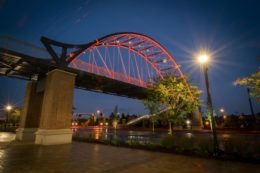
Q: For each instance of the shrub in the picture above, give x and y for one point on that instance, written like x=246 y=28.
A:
x=205 y=146
x=229 y=146
x=169 y=142
x=187 y=143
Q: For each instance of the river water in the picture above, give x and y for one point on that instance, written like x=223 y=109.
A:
x=103 y=133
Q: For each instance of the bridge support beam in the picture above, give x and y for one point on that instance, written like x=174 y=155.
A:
x=196 y=119
x=55 y=121
x=30 y=115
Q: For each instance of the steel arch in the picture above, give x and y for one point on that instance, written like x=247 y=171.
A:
x=141 y=44
x=146 y=47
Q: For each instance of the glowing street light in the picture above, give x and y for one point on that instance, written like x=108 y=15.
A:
x=8 y=108
x=222 y=110
x=203 y=60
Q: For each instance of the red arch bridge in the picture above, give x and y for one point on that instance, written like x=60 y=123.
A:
x=120 y=64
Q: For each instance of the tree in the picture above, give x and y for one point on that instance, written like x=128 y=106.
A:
x=154 y=120
x=15 y=115
x=253 y=83
x=172 y=98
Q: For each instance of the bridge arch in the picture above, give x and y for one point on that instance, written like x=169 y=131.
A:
x=140 y=58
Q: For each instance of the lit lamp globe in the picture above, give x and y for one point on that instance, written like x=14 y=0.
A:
x=8 y=107
x=203 y=58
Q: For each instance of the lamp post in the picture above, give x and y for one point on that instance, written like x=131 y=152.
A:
x=8 y=108
x=251 y=107
x=203 y=59
x=250 y=102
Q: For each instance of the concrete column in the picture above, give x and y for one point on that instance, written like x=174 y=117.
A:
x=196 y=119
x=30 y=115
x=55 y=121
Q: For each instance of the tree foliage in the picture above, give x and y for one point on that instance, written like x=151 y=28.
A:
x=253 y=83
x=15 y=115
x=172 y=98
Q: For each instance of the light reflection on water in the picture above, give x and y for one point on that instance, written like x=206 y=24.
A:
x=99 y=133
x=189 y=135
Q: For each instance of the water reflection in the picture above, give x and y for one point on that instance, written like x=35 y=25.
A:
x=189 y=135
x=104 y=133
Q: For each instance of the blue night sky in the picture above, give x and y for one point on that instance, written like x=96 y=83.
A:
x=227 y=29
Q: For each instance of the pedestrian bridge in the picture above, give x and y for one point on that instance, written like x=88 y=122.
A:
x=121 y=64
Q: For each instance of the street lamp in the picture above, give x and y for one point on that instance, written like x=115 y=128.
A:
x=203 y=60
x=8 y=108
x=222 y=110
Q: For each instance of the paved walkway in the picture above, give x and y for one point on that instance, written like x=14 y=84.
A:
x=16 y=157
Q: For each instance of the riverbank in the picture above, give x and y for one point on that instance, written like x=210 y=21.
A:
x=232 y=146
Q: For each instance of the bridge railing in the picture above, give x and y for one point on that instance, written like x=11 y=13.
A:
x=84 y=66
x=14 y=44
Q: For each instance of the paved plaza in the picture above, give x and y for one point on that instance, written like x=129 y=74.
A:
x=81 y=157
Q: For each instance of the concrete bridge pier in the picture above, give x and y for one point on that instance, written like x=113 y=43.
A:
x=30 y=115
x=46 y=115
x=196 y=119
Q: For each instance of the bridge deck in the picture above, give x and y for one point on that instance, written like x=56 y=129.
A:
x=17 y=65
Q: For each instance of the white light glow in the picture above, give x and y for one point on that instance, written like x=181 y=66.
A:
x=203 y=58
x=8 y=107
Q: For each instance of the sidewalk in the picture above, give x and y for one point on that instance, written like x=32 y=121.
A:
x=6 y=138
x=17 y=157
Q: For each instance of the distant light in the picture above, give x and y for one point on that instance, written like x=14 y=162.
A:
x=71 y=54
x=188 y=122
x=114 y=124
x=164 y=60
x=106 y=123
x=130 y=42
x=222 y=110
x=207 y=123
x=224 y=116
x=101 y=124
x=9 y=107
x=98 y=111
